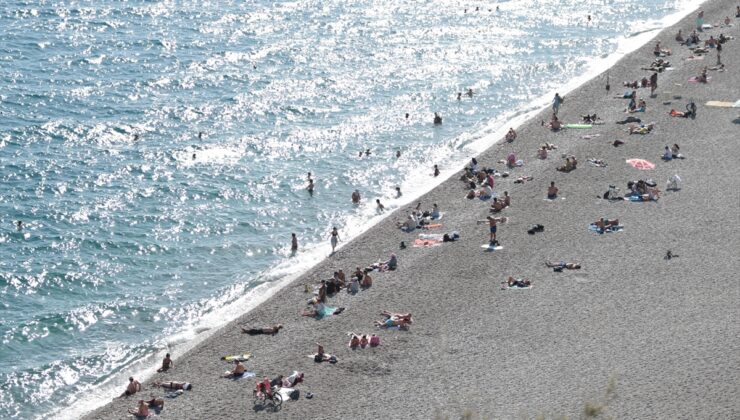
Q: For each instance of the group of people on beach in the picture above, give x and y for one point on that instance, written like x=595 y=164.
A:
x=480 y=183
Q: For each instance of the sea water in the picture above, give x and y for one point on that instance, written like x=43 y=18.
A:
x=157 y=154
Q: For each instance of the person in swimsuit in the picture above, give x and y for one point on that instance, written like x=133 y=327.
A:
x=293 y=242
x=559 y=266
x=334 y=239
x=356 y=197
x=266 y=331
x=166 y=364
x=492 y=221
x=156 y=403
x=133 y=387
x=142 y=411
x=381 y=207
x=436 y=170
x=510 y=135
x=238 y=371
x=174 y=385
x=437 y=119
x=552 y=191
x=511 y=282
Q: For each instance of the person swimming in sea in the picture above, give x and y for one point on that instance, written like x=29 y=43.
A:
x=437 y=119
x=19 y=224
x=470 y=92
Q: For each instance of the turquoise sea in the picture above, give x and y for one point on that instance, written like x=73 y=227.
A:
x=157 y=151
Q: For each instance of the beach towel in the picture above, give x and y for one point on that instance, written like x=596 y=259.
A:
x=289 y=393
x=174 y=394
x=578 y=126
x=432 y=226
x=244 y=376
x=696 y=57
x=325 y=311
x=721 y=104
x=490 y=248
x=505 y=286
x=240 y=357
x=592 y=227
x=419 y=243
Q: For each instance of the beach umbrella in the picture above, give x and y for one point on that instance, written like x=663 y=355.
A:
x=641 y=164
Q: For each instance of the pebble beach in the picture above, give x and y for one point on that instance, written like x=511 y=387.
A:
x=629 y=335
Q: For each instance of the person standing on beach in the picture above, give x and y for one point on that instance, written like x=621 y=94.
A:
x=293 y=242
x=334 y=238
x=653 y=83
x=492 y=221
x=556 y=102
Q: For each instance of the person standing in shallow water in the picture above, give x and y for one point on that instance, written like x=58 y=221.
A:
x=293 y=242
x=334 y=239
x=437 y=119
x=556 y=102
x=436 y=170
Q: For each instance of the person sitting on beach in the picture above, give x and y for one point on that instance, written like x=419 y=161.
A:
x=391 y=264
x=641 y=106
x=238 y=371
x=408 y=225
x=374 y=340
x=506 y=199
x=366 y=281
x=555 y=124
x=174 y=385
x=703 y=78
x=511 y=282
x=354 y=284
x=266 y=330
x=559 y=266
x=155 y=403
x=321 y=356
x=510 y=135
x=675 y=152
x=142 y=411
x=354 y=341
x=711 y=42
x=497 y=205
x=552 y=191
x=166 y=364
x=667 y=154
x=679 y=37
x=631 y=106
x=435 y=214
x=542 y=153
x=132 y=388
x=485 y=192
x=567 y=167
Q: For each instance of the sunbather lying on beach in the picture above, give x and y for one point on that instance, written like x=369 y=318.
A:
x=318 y=310
x=173 y=385
x=629 y=94
x=142 y=411
x=266 y=330
x=559 y=266
x=597 y=162
x=294 y=379
x=602 y=224
x=393 y=322
x=511 y=282
x=570 y=164
x=155 y=403
x=523 y=179
x=642 y=128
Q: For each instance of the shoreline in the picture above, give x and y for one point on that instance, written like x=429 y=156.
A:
x=445 y=190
